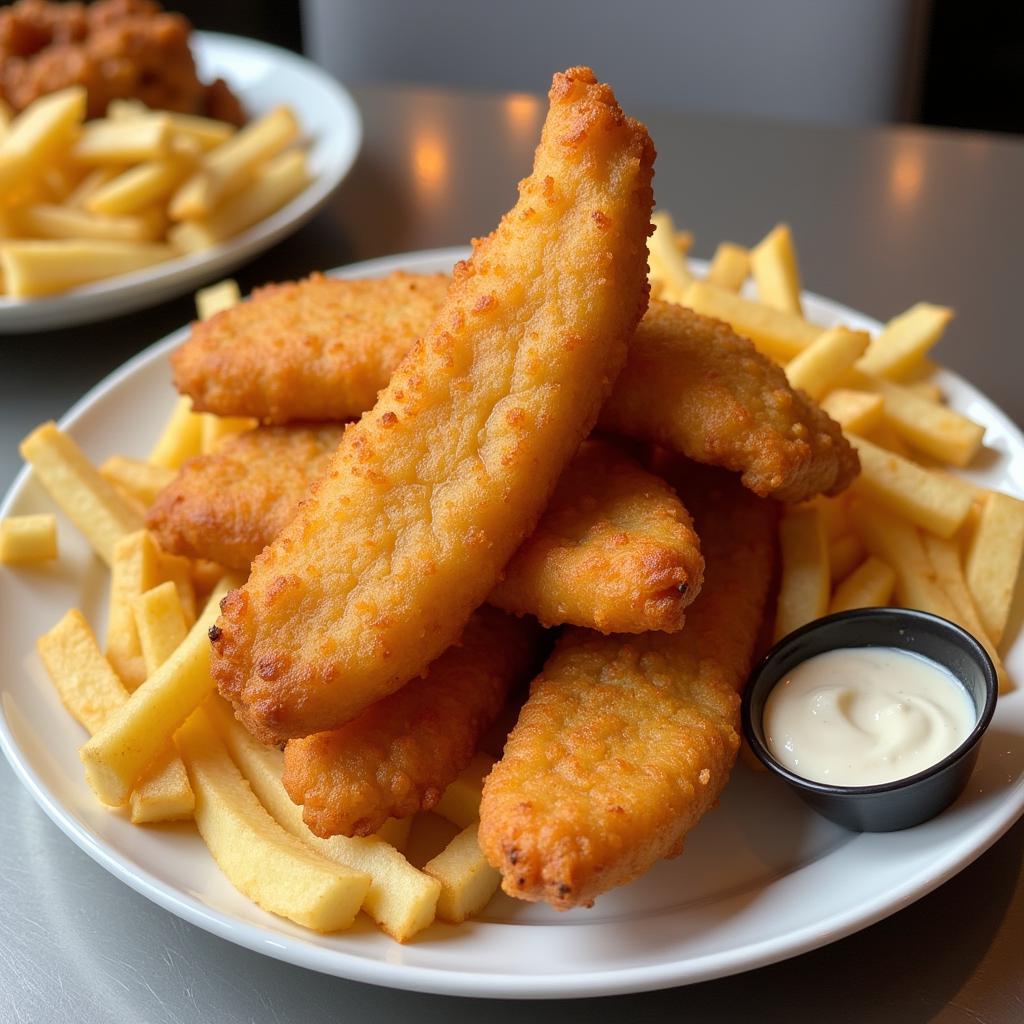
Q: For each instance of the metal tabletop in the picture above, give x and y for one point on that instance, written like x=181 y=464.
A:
x=883 y=217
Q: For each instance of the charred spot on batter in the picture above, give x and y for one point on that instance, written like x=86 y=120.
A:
x=563 y=889
x=214 y=633
x=601 y=219
x=389 y=419
x=682 y=587
x=513 y=856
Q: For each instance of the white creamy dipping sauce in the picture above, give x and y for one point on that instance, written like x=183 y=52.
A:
x=863 y=716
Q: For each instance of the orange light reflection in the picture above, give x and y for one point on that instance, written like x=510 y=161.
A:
x=430 y=159
x=906 y=177
x=522 y=111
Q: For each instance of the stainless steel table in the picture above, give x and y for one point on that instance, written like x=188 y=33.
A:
x=882 y=217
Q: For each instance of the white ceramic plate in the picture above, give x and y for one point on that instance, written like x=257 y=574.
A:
x=262 y=76
x=762 y=878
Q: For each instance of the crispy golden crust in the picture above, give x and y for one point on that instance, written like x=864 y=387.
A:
x=625 y=742
x=228 y=505
x=431 y=492
x=694 y=385
x=397 y=757
x=317 y=349
x=615 y=550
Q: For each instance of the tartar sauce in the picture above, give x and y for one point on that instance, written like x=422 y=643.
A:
x=862 y=716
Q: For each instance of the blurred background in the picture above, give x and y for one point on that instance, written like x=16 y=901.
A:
x=936 y=62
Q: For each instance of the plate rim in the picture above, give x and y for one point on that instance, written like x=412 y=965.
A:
x=124 y=293
x=439 y=980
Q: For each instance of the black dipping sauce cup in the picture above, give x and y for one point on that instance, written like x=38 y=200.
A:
x=905 y=802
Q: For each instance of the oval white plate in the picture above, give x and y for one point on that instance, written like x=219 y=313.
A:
x=262 y=76
x=762 y=878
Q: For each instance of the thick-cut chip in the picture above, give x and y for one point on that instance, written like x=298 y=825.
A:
x=217 y=297
x=729 y=267
x=141 y=480
x=667 y=263
x=994 y=559
x=625 y=742
x=460 y=802
x=905 y=341
x=28 y=539
x=870 y=585
x=401 y=899
x=467 y=881
x=398 y=756
x=615 y=551
x=431 y=492
x=180 y=439
x=318 y=349
x=856 y=411
x=694 y=385
x=826 y=361
x=805 y=583
x=135 y=569
x=844 y=555
x=773 y=261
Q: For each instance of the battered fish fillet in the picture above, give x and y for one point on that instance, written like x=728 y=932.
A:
x=431 y=492
x=694 y=385
x=625 y=742
x=228 y=505
x=398 y=756
x=318 y=349
x=615 y=551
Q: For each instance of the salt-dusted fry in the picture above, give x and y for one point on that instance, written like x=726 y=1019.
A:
x=820 y=366
x=28 y=539
x=905 y=340
x=88 y=500
x=181 y=438
x=993 y=561
x=775 y=333
x=858 y=412
x=142 y=480
x=805 y=583
x=934 y=501
x=135 y=734
x=870 y=585
x=262 y=860
x=729 y=267
x=467 y=881
x=773 y=263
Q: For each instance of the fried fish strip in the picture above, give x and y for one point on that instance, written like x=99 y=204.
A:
x=625 y=742
x=694 y=385
x=431 y=492
x=398 y=756
x=615 y=551
x=317 y=349
x=228 y=505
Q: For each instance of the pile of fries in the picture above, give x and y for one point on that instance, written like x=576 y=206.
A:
x=167 y=748
x=82 y=201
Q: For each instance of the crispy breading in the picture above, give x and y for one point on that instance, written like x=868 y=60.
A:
x=228 y=505
x=317 y=349
x=431 y=492
x=398 y=756
x=626 y=741
x=615 y=551
x=694 y=385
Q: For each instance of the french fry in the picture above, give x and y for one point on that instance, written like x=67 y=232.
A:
x=142 y=480
x=93 y=181
x=729 y=267
x=222 y=295
x=885 y=437
x=135 y=734
x=931 y=428
x=178 y=570
x=138 y=187
x=206 y=131
x=945 y=559
x=668 y=264
x=159 y=622
x=134 y=569
x=467 y=881
x=992 y=564
x=25 y=540
x=123 y=142
x=37 y=133
x=804 y=586
x=44 y=220
x=870 y=585
x=90 y=690
x=856 y=411
x=781 y=336
x=181 y=438
x=934 y=501
x=88 y=500
x=230 y=165
x=401 y=899
x=395 y=832
x=33 y=268
x=773 y=263
x=844 y=555
x=820 y=366
x=274 y=184
x=216 y=428
x=834 y=516
x=460 y=801
x=904 y=342
x=263 y=861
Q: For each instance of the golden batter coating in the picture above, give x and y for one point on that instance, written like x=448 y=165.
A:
x=398 y=756
x=694 y=385
x=228 y=505
x=317 y=349
x=431 y=492
x=615 y=551
x=626 y=741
